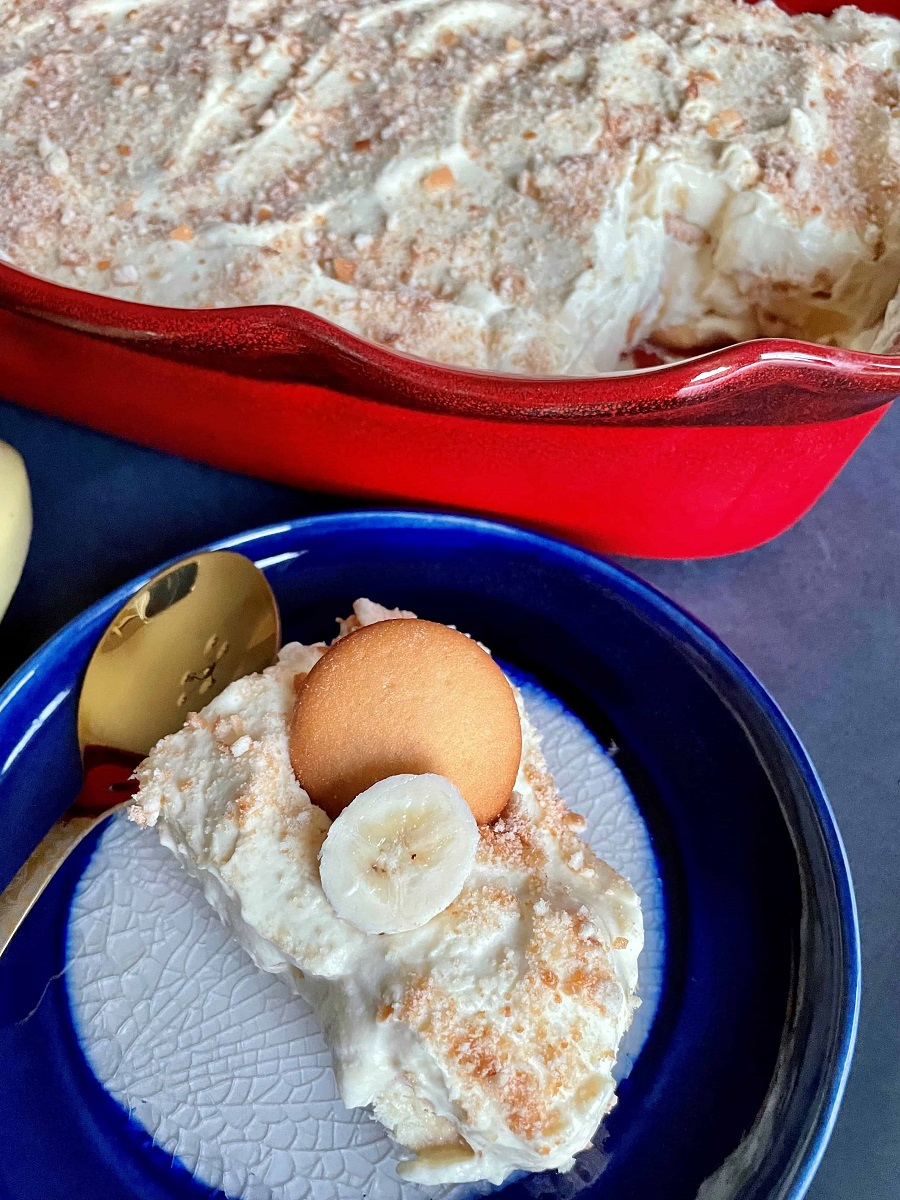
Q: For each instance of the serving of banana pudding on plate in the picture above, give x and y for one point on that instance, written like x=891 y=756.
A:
x=374 y=822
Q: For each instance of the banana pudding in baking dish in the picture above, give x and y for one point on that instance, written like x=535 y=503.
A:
x=472 y=961
x=516 y=185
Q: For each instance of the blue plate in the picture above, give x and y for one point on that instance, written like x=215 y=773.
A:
x=736 y=1089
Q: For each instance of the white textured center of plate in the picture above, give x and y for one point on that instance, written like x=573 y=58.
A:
x=219 y=1062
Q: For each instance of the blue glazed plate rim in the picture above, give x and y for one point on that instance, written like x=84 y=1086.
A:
x=690 y=631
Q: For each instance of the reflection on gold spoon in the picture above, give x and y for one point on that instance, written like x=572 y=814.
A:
x=176 y=644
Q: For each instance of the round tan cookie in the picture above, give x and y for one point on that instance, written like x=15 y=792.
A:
x=406 y=696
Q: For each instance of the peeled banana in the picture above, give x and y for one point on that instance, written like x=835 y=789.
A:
x=15 y=521
x=399 y=853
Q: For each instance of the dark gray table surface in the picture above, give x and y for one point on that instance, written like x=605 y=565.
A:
x=816 y=614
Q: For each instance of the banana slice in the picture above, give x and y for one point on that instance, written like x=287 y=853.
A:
x=15 y=521
x=399 y=853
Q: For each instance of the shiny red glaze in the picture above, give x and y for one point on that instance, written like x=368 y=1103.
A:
x=704 y=457
x=108 y=780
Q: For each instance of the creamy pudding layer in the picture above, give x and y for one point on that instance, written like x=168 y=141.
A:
x=531 y=186
x=485 y=1039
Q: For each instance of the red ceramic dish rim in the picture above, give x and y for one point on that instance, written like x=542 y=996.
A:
x=763 y=382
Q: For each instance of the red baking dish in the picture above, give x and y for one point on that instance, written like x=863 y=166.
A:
x=704 y=457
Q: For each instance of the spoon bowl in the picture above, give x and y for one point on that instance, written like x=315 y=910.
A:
x=172 y=648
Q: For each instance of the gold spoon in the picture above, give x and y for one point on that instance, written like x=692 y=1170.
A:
x=176 y=644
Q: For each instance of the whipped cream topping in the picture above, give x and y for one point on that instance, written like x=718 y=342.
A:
x=485 y=1039
x=519 y=185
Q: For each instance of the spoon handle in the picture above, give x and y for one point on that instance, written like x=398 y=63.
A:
x=36 y=872
x=106 y=789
